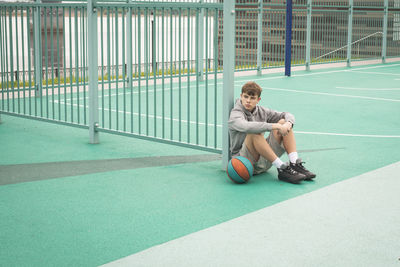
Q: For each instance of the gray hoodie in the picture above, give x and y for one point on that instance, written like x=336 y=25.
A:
x=241 y=122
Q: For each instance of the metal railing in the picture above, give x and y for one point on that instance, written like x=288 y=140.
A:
x=156 y=63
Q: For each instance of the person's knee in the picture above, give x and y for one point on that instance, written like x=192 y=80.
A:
x=277 y=136
x=254 y=136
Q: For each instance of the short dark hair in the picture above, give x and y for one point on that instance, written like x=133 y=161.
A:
x=252 y=89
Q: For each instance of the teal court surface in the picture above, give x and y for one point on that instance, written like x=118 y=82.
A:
x=130 y=202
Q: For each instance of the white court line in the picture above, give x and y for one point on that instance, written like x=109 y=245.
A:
x=219 y=125
x=352 y=135
x=372 y=72
x=330 y=94
x=254 y=79
x=325 y=72
x=142 y=114
x=368 y=89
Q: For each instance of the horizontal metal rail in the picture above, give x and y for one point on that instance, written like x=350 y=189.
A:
x=340 y=48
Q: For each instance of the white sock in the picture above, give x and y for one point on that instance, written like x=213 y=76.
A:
x=293 y=157
x=277 y=163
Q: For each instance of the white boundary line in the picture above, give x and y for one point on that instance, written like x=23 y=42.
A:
x=352 y=135
x=168 y=118
x=368 y=89
x=374 y=72
x=325 y=72
x=330 y=94
x=219 y=125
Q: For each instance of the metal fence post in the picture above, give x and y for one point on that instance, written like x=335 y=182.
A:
x=129 y=50
x=228 y=72
x=308 y=34
x=349 y=32
x=288 y=37
x=200 y=44
x=385 y=28
x=38 y=49
x=259 y=37
x=93 y=75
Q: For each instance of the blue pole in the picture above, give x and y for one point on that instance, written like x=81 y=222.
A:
x=288 y=44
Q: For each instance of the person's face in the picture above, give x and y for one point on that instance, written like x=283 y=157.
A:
x=249 y=101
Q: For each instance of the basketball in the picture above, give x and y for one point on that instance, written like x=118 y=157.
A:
x=239 y=170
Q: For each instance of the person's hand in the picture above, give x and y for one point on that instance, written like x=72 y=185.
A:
x=285 y=128
x=290 y=125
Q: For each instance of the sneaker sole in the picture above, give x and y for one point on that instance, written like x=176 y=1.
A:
x=290 y=181
x=310 y=178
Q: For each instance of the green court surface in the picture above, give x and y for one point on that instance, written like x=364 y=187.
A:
x=65 y=202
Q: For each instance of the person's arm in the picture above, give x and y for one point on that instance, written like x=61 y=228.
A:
x=238 y=122
x=284 y=128
x=276 y=116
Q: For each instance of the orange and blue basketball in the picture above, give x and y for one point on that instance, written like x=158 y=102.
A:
x=240 y=170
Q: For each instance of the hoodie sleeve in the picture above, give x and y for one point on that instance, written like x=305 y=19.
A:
x=238 y=122
x=267 y=117
x=273 y=116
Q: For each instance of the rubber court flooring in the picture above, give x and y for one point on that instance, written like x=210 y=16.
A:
x=129 y=202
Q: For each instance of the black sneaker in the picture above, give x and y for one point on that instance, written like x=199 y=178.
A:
x=298 y=166
x=288 y=174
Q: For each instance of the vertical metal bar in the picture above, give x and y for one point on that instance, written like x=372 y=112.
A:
x=188 y=75
x=206 y=80
x=180 y=74
x=10 y=39
x=385 y=30
x=52 y=61
x=129 y=57
x=7 y=55
x=308 y=34
x=123 y=63
x=288 y=39
x=259 y=37
x=154 y=60
x=146 y=56
x=93 y=78
x=15 y=73
x=17 y=59
x=84 y=31
x=102 y=64
x=117 y=69
x=197 y=66
x=37 y=28
x=2 y=59
x=23 y=59
x=28 y=19
x=58 y=63
x=46 y=61
x=349 y=32
x=171 y=75
x=200 y=43
x=77 y=65
x=163 y=69
x=228 y=67
x=70 y=65
x=139 y=44
x=109 y=72
x=65 y=67
x=216 y=63
x=23 y=55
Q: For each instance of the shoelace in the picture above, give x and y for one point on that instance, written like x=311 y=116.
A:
x=290 y=170
x=300 y=165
